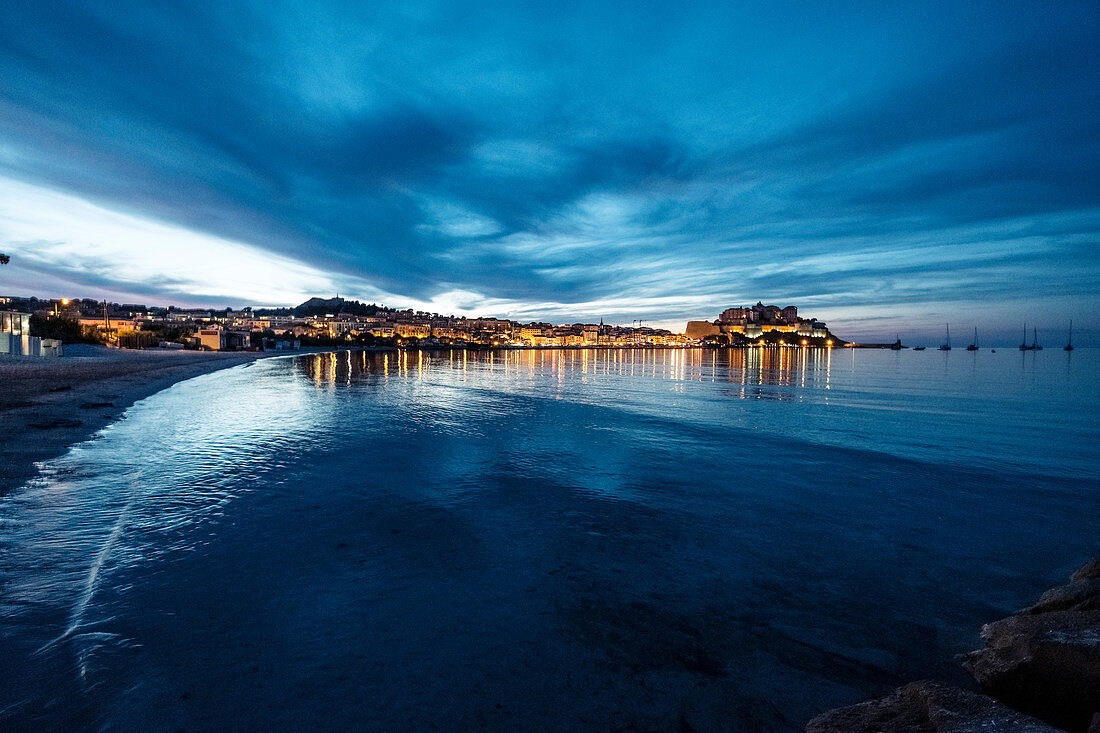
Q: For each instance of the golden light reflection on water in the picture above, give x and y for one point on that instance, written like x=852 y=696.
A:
x=747 y=369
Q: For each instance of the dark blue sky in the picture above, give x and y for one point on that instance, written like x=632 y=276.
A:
x=882 y=165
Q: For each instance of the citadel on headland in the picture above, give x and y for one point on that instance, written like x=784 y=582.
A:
x=740 y=325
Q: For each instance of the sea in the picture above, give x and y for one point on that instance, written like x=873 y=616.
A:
x=551 y=540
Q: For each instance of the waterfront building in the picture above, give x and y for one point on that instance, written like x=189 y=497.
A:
x=222 y=339
x=16 y=339
x=412 y=330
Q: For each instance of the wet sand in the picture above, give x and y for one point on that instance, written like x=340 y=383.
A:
x=47 y=405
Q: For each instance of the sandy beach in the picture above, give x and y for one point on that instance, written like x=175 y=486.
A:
x=47 y=405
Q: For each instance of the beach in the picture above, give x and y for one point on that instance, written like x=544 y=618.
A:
x=47 y=405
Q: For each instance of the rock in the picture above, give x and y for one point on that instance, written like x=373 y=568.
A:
x=1045 y=660
x=1080 y=595
x=1091 y=569
x=1047 y=665
x=927 y=707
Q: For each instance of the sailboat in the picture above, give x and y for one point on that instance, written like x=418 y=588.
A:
x=1035 y=340
x=1069 y=344
x=946 y=345
x=1023 y=344
x=974 y=346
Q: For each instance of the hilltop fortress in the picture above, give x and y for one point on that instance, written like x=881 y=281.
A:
x=736 y=324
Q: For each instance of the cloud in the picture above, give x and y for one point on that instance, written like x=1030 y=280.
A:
x=94 y=250
x=669 y=163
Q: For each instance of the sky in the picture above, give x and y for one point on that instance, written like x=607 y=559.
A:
x=885 y=166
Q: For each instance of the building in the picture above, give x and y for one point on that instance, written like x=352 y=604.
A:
x=222 y=339
x=270 y=344
x=528 y=333
x=16 y=339
x=412 y=330
x=735 y=316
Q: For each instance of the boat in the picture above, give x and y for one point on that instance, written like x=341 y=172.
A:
x=896 y=346
x=946 y=345
x=1035 y=340
x=918 y=348
x=1023 y=344
x=1069 y=344
x=974 y=346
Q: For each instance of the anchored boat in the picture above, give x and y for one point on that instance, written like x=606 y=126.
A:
x=946 y=345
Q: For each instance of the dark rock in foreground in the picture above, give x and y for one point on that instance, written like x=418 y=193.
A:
x=1045 y=660
x=1091 y=569
x=927 y=707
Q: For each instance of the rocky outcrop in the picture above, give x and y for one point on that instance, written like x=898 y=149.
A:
x=1091 y=569
x=1045 y=660
x=927 y=707
x=1042 y=665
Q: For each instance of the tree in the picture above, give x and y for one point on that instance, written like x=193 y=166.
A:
x=64 y=328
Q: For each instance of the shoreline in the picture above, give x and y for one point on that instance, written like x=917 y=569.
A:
x=49 y=405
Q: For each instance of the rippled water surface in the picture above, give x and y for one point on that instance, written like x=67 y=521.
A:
x=553 y=540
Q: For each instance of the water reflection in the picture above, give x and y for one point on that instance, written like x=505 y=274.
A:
x=758 y=373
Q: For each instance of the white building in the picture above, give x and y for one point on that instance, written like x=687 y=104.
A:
x=16 y=339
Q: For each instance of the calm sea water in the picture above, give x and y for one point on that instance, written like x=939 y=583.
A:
x=553 y=540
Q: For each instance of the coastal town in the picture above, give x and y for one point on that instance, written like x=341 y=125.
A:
x=338 y=322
